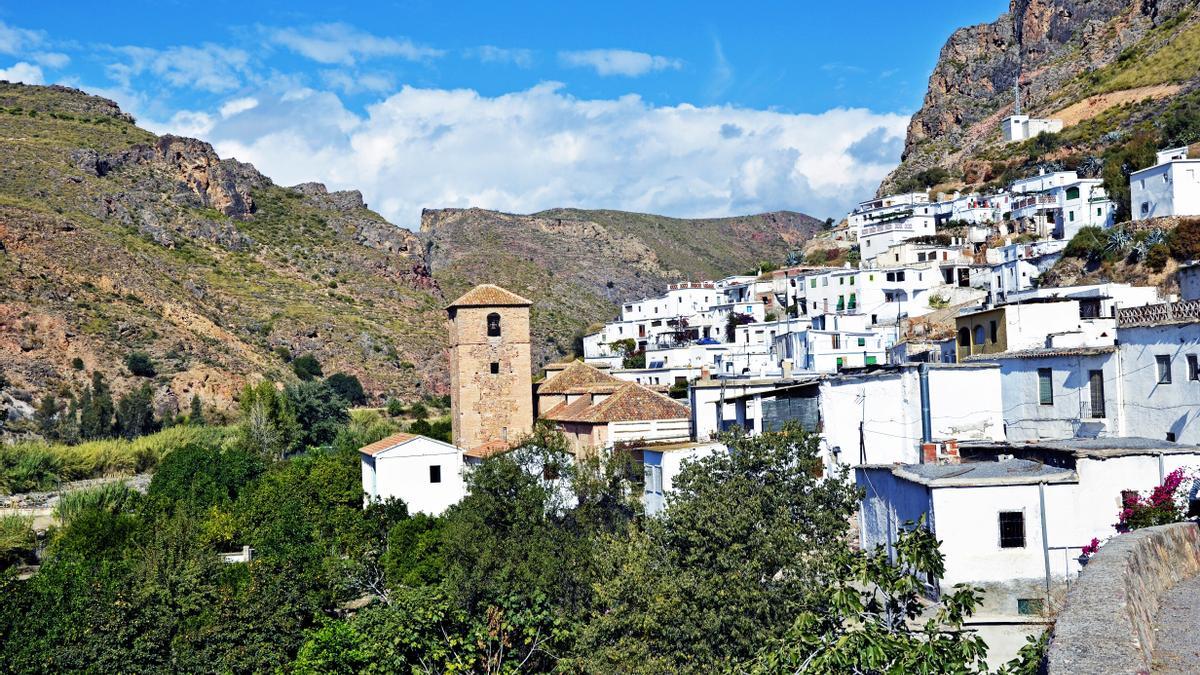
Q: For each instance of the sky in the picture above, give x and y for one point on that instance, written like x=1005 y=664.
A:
x=696 y=109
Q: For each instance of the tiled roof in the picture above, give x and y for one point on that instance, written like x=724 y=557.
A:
x=631 y=402
x=576 y=377
x=386 y=443
x=493 y=447
x=1044 y=352
x=488 y=295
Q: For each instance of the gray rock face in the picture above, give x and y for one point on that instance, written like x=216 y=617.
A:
x=350 y=212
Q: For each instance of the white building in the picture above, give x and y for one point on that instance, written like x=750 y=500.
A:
x=888 y=415
x=973 y=208
x=1020 y=265
x=987 y=510
x=1058 y=204
x=426 y=474
x=1169 y=188
x=1020 y=127
x=833 y=342
x=1159 y=348
x=1189 y=281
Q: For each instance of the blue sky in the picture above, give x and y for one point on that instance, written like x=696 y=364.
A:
x=690 y=109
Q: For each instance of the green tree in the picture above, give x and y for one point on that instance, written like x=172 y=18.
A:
x=196 y=411
x=140 y=364
x=743 y=544
x=1120 y=161
x=96 y=409
x=394 y=407
x=268 y=425
x=348 y=387
x=320 y=412
x=418 y=411
x=873 y=617
x=135 y=412
x=307 y=367
x=200 y=477
x=46 y=416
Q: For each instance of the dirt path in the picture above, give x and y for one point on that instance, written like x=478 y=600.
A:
x=1177 y=640
x=1094 y=105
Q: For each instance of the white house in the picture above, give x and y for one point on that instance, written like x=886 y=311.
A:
x=1060 y=203
x=1020 y=265
x=1169 y=188
x=889 y=415
x=831 y=343
x=1189 y=281
x=987 y=511
x=426 y=474
x=1159 y=347
x=1020 y=127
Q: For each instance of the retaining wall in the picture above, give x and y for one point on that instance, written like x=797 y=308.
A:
x=1107 y=625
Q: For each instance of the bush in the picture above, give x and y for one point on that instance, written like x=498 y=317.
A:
x=135 y=413
x=16 y=538
x=140 y=364
x=203 y=476
x=348 y=387
x=394 y=407
x=1157 y=256
x=1165 y=504
x=419 y=411
x=1089 y=243
x=1184 y=240
x=77 y=363
x=307 y=367
x=283 y=353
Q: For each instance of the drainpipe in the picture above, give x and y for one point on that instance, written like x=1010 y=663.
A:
x=1045 y=536
x=926 y=422
x=1161 y=475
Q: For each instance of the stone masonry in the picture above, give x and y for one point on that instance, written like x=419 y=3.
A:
x=491 y=386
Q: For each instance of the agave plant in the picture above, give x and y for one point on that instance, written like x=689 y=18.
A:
x=1153 y=237
x=1119 y=241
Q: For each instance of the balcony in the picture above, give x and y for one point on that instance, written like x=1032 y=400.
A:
x=898 y=226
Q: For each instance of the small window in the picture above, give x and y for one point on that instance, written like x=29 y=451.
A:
x=862 y=342
x=1073 y=193
x=1045 y=387
x=1030 y=606
x=1164 y=369
x=493 y=325
x=994 y=330
x=1171 y=436
x=1193 y=367
x=435 y=473
x=1012 y=529
x=964 y=337
x=495 y=367
x=978 y=335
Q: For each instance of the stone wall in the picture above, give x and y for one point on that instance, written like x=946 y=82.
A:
x=1107 y=625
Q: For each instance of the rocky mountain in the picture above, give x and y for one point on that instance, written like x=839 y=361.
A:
x=114 y=240
x=1105 y=67
x=578 y=266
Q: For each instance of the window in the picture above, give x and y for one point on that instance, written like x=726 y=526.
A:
x=1193 y=368
x=1012 y=529
x=1171 y=436
x=653 y=477
x=1072 y=193
x=1164 y=369
x=900 y=275
x=1098 y=212
x=1045 y=387
x=994 y=330
x=493 y=325
x=494 y=368
x=964 y=337
x=1145 y=208
x=812 y=283
x=435 y=473
x=978 y=335
x=1030 y=606
x=841 y=281
x=837 y=341
x=871 y=361
x=839 y=363
x=1071 y=216
x=862 y=342
x=1096 y=391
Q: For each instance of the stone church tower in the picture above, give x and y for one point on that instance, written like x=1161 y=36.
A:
x=491 y=382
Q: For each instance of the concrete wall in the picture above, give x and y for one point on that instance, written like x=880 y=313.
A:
x=403 y=473
x=1107 y=625
x=1152 y=409
x=888 y=502
x=1170 y=189
x=1026 y=419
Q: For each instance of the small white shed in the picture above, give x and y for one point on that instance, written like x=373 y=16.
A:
x=426 y=473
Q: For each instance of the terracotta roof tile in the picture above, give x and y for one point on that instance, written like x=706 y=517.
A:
x=576 y=377
x=629 y=403
x=494 y=447
x=488 y=295
x=386 y=443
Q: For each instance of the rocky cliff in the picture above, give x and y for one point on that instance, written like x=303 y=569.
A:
x=114 y=240
x=1100 y=65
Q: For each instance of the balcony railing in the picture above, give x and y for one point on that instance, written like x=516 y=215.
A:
x=887 y=227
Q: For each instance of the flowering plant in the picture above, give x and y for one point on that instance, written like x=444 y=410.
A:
x=1164 y=505
x=1091 y=548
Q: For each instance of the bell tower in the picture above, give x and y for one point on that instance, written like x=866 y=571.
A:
x=491 y=382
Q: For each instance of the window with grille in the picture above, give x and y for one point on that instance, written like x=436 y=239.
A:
x=1096 y=391
x=1012 y=529
x=1164 y=369
x=1045 y=386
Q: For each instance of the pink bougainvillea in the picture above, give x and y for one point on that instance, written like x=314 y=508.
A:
x=1164 y=505
x=1091 y=548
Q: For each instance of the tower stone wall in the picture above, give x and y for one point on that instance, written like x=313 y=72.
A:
x=491 y=384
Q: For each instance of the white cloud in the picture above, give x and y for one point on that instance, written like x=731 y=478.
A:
x=51 y=59
x=522 y=58
x=15 y=41
x=541 y=148
x=190 y=123
x=618 y=61
x=209 y=67
x=23 y=72
x=357 y=83
x=238 y=105
x=339 y=43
